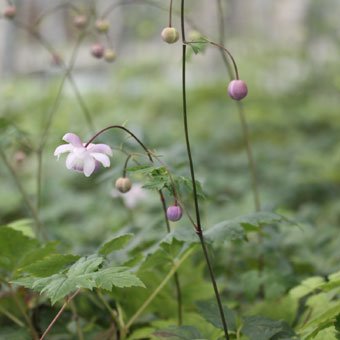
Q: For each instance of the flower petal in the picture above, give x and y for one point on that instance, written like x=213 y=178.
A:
x=73 y=139
x=71 y=161
x=100 y=157
x=62 y=148
x=101 y=148
x=89 y=166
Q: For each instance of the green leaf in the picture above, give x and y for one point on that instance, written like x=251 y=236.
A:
x=14 y=246
x=85 y=273
x=8 y=333
x=261 y=328
x=237 y=228
x=38 y=254
x=116 y=243
x=50 y=265
x=307 y=286
x=183 y=332
x=209 y=310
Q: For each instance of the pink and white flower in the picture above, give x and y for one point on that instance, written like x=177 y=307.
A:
x=81 y=158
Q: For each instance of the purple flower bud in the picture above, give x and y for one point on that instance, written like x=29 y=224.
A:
x=174 y=213
x=9 y=12
x=97 y=50
x=237 y=89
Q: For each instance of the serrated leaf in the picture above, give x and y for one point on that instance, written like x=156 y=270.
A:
x=116 y=243
x=261 y=328
x=209 y=310
x=50 y=265
x=85 y=273
x=182 y=332
x=307 y=286
x=237 y=228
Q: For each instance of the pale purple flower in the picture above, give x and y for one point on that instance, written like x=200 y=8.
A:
x=82 y=159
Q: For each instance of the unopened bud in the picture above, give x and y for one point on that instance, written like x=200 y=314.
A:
x=170 y=35
x=174 y=213
x=80 y=21
x=97 y=50
x=237 y=89
x=102 y=25
x=123 y=184
x=9 y=12
x=109 y=55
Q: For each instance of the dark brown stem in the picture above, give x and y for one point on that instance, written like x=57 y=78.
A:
x=192 y=172
x=55 y=319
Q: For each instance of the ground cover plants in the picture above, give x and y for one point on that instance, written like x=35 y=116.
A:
x=165 y=227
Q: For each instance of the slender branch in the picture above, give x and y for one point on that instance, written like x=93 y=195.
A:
x=23 y=312
x=11 y=317
x=30 y=206
x=192 y=172
x=170 y=14
x=146 y=303
x=244 y=125
x=76 y=318
x=55 y=319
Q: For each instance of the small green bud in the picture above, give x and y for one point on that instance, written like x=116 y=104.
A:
x=102 y=25
x=110 y=55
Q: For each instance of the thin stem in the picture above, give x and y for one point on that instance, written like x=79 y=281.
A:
x=55 y=319
x=198 y=226
x=11 y=317
x=170 y=14
x=146 y=303
x=76 y=318
x=251 y=161
x=124 y=129
x=125 y=164
x=245 y=130
x=23 y=312
x=30 y=206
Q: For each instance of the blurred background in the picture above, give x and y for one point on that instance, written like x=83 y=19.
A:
x=288 y=53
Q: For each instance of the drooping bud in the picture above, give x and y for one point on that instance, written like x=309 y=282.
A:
x=170 y=35
x=123 y=184
x=80 y=21
x=9 y=12
x=109 y=55
x=97 y=50
x=174 y=213
x=102 y=25
x=237 y=89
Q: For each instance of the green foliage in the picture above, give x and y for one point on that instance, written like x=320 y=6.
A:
x=85 y=273
x=209 y=310
x=183 y=332
x=238 y=228
x=116 y=243
x=260 y=328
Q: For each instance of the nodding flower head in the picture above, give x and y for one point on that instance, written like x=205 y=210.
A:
x=174 y=213
x=123 y=184
x=170 y=35
x=81 y=158
x=237 y=89
x=97 y=50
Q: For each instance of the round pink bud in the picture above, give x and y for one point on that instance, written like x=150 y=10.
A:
x=9 y=12
x=174 y=213
x=123 y=184
x=80 y=21
x=170 y=35
x=237 y=89
x=102 y=25
x=97 y=50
